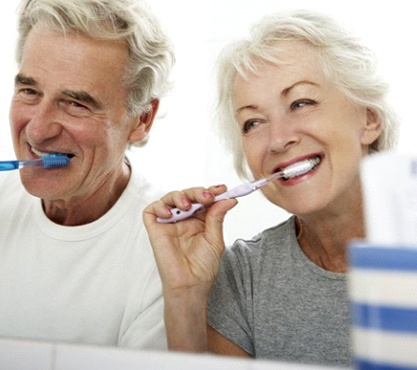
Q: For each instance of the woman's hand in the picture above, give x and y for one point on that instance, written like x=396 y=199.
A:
x=188 y=255
x=188 y=252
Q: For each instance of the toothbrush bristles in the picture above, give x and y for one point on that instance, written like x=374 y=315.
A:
x=298 y=168
x=55 y=160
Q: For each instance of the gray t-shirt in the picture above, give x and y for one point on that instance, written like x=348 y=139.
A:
x=275 y=303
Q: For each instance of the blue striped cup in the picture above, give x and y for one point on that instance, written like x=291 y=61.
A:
x=383 y=295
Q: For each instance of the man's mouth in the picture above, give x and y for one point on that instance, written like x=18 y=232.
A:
x=42 y=154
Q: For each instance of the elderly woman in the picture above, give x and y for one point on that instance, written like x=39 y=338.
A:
x=301 y=89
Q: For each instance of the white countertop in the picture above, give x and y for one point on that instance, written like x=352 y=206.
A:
x=31 y=355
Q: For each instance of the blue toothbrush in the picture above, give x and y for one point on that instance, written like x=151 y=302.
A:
x=48 y=161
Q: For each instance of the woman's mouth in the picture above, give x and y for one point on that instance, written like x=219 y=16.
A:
x=299 y=168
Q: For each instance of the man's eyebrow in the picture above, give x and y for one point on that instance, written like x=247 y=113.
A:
x=84 y=97
x=24 y=80
x=81 y=96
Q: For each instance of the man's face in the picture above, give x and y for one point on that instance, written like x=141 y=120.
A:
x=69 y=98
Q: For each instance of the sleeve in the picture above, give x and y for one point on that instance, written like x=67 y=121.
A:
x=230 y=305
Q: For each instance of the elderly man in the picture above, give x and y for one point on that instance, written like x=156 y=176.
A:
x=75 y=262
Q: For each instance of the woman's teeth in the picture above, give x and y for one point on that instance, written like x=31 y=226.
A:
x=300 y=168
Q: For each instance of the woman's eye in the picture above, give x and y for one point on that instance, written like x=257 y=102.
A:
x=302 y=103
x=249 y=125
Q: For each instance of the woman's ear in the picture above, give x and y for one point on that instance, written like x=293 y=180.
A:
x=144 y=123
x=373 y=127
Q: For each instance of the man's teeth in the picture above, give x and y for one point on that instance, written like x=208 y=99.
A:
x=42 y=154
x=38 y=153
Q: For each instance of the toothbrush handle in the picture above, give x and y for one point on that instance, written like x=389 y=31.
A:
x=238 y=191
x=9 y=165
x=179 y=214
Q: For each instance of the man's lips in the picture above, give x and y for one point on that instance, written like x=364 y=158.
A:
x=42 y=154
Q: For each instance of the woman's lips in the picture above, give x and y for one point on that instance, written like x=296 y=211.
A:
x=299 y=167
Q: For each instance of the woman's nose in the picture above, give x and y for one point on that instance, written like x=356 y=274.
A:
x=283 y=135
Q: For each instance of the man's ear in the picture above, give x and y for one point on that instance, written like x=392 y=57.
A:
x=144 y=123
x=372 y=129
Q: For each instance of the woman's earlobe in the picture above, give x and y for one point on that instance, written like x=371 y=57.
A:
x=373 y=127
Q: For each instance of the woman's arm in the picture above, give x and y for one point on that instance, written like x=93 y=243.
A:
x=219 y=344
x=188 y=255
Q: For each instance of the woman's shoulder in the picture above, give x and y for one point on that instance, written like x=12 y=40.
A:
x=282 y=235
x=278 y=232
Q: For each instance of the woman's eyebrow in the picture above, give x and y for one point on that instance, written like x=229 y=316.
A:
x=284 y=92
x=250 y=107
x=287 y=90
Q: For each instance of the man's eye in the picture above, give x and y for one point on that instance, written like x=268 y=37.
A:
x=74 y=108
x=27 y=95
x=76 y=105
x=28 y=91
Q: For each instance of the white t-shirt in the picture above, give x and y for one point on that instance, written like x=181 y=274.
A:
x=91 y=284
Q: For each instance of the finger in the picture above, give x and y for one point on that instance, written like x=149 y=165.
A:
x=215 y=220
x=219 y=210
x=154 y=210
x=188 y=203
x=184 y=198
x=217 y=189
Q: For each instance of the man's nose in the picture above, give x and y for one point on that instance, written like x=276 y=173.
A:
x=44 y=123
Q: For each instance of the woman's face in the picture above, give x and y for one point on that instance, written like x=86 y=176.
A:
x=294 y=112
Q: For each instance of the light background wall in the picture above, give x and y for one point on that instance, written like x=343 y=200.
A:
x=183 y=150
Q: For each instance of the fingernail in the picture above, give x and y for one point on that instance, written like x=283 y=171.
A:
x=207 y=194
x=185 y=201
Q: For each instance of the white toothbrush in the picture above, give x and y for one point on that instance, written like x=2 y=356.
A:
x=292 y=170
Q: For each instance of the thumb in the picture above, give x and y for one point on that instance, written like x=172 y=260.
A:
x=215 y=217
